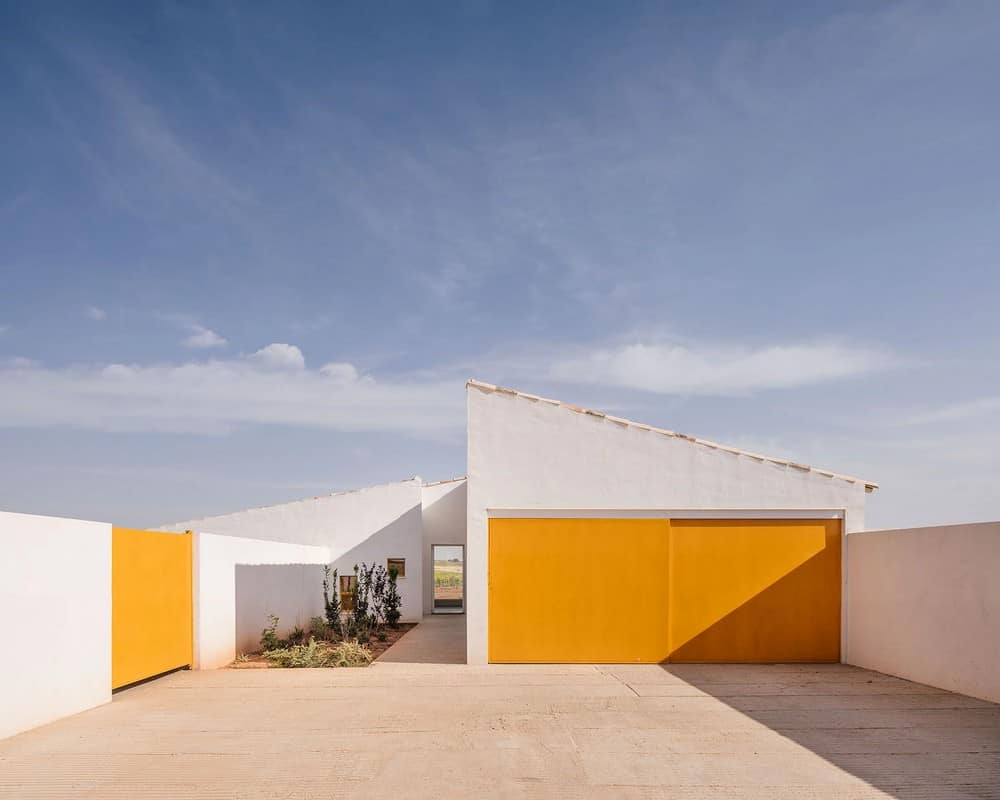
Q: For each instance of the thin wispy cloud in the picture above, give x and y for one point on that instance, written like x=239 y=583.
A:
x=340 y=371
x=269 y=387
x=667 y=368
x=955 y=412
x=96 y=314
x=142 y=147
x=202 y=338
x=18 y=362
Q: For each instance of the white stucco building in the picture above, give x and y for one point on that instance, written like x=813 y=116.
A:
x=527 y=457
x=575 y=536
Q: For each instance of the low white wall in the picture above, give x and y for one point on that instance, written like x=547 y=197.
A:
x=924 y=604
x=532 y=454
x=444 y=521
x=291 y=592
x=364 y=525
x=215 y=560
x=55 y=589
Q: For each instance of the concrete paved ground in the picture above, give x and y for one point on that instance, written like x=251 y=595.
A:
x=415 y=730
x=439 y=639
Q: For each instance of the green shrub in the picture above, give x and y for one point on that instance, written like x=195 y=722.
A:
x=320 y=629
x=320 y=654
x=331 y=601
x=392 y=602
x=314 y=654
x=297 y=636
x=362 y=620
x=351 y=654
x=378 y=578
x=269 y=636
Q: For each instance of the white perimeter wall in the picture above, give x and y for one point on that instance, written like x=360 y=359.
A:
x=532 y=454
x=292 y=592
x=444 y=519
x=925 y=605
x=215 y=562
x=55 y=592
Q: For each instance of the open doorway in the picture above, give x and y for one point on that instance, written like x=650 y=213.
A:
x=449 y=578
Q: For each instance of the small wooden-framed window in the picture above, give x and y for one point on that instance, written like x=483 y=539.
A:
x=348 y=586
x=397 y=564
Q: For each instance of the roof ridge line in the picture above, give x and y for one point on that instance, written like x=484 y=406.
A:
x=312 y=499
x=447 y=480
x=489 y=387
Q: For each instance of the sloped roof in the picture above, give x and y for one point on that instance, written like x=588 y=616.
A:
x=338 y=493
x=489 y=387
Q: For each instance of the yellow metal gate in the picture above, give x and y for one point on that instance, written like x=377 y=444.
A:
x=151 y=608
x=651 y=590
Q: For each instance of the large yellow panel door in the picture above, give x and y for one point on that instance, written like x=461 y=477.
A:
x=578 y=590
x=755 y=590
x=151 y=614
x=651 y=590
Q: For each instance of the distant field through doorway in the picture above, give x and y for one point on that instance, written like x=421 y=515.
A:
x=449 y=579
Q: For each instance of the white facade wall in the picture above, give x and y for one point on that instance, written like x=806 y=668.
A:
x=392 y=530
x=531 y=454
x=364 y=525
x=215 y=561
x=444 y=520
x=55 y=588
x=925 y=605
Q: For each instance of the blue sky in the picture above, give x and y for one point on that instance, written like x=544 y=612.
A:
x=250 y=253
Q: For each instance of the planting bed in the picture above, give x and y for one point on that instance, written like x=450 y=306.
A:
x=257 y=660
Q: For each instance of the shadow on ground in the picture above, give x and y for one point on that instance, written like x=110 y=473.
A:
x=911 y=741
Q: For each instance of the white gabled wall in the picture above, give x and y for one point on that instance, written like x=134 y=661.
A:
x=526 y=454
x=55 y=588
x=925 y=605
x=444 y=520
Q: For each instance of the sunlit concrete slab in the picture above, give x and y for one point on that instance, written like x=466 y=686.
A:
x=413 y=729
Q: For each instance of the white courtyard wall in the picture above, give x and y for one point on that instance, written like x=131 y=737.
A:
x=925 y=605
x=216 y=559
x=291 y=592
x=55 y=589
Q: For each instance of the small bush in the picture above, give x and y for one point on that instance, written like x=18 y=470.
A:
x=320 y=629
x=351 y=654
x=331 y=601
x=362 y=622
x=392 y=601
x=377 y=579
x=297 y=636
x=269 y=636
x=314 y=654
